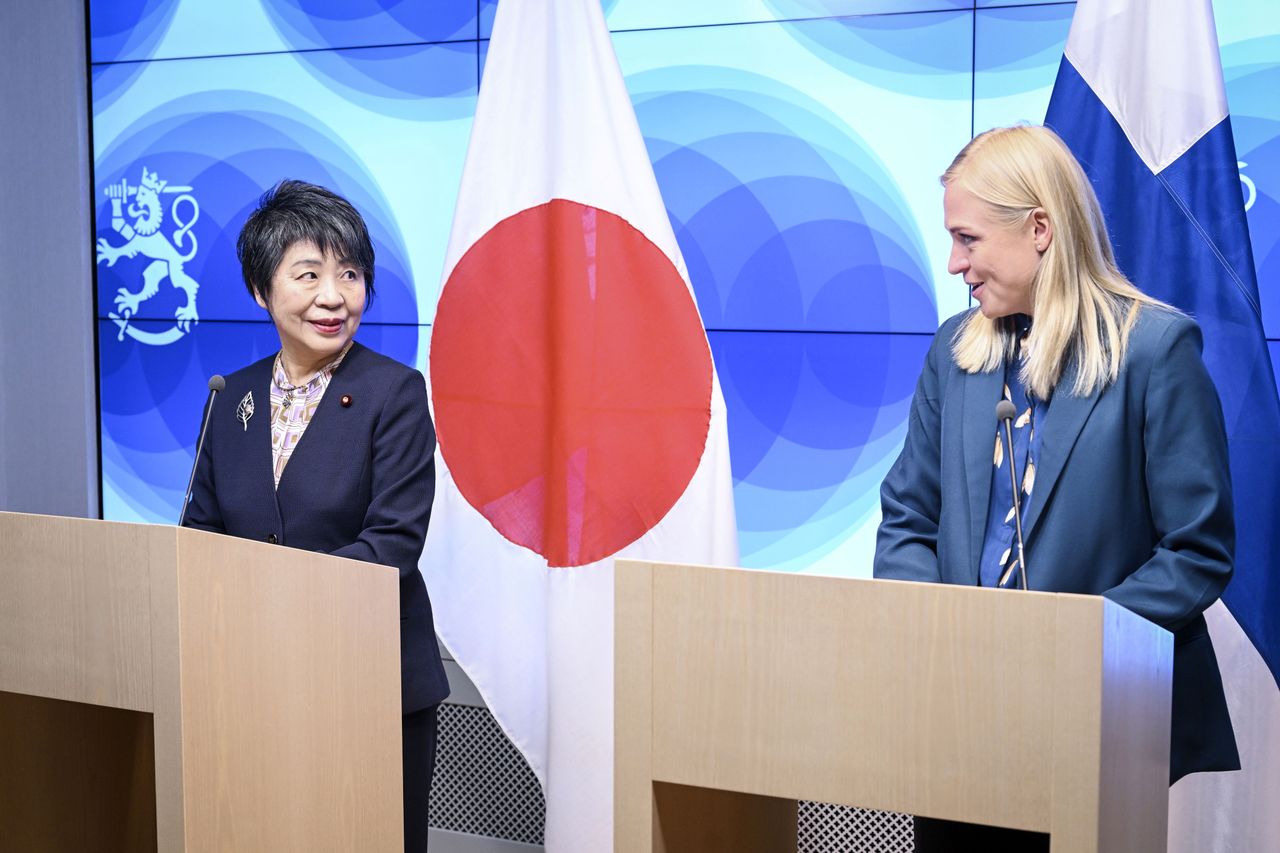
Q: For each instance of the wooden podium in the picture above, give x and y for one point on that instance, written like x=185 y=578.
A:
x=738 y=693
x=171 y=689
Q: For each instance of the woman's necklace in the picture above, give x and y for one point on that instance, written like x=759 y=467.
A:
x=282 y=379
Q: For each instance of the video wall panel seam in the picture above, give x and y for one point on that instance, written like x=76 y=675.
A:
x=809 y=223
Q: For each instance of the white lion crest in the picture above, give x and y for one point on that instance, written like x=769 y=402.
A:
x=145 y=237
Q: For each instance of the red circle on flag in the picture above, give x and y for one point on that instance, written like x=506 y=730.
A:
x=571 y=380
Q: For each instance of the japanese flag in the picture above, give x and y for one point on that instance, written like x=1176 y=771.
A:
x=577 y=405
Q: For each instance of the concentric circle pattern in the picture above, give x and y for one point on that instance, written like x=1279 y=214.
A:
x=228 y=159
x=123 y=30
x=804 y=258
x=127 y=29
x=899 y=52
x=796 y=146
x=405 y=68
x=151 y=394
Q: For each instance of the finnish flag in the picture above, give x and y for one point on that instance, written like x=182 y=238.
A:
x=1140 y=100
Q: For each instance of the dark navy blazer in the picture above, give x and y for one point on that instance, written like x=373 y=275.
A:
x=359 y=484
x=1132 y=501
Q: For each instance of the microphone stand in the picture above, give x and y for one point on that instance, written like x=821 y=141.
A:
x=216 y=384
x=1005 y=413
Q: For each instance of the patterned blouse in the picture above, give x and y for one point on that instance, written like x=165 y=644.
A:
x=998 y=565
x=292 y=407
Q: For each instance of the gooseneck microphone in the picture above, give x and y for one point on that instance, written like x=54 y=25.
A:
x=1005 y=413
x=216 y=384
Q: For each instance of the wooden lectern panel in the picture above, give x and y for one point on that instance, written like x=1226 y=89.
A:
x=1033 y=711
x=75 y=635
x=263 y=681
x=788 y=661
x=267 y=665
x=1133 y=771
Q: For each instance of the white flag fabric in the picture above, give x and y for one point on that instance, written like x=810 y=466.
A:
x=576 y=402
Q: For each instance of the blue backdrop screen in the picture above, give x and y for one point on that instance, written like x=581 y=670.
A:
x=797 y=144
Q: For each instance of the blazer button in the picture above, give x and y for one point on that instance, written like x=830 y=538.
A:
x=271 y=539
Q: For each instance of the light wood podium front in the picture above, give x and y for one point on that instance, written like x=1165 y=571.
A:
x=738 y=693
x=177 y=690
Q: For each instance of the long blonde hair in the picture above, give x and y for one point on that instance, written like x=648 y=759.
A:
x=1083 y=306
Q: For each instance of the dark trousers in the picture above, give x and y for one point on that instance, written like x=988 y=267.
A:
x=418 y=740
x=948 y=836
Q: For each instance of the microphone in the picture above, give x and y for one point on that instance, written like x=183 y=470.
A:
x=1005 y=413
x=216 y=384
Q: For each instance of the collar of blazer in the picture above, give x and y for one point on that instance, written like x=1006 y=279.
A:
x=1067 y=417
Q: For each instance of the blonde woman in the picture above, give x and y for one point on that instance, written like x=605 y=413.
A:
x=1118 y=443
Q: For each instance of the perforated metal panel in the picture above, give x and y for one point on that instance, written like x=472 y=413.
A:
x=482 y=784
x=824 y=828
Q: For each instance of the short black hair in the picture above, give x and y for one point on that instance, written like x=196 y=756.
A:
x=298 y=212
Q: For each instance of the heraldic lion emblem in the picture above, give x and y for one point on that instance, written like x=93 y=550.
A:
x=145 y=237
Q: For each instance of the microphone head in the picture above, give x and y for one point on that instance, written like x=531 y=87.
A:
x=1005 y=411
x=216 y=382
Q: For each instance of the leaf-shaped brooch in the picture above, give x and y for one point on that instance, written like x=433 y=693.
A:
x=244 y=411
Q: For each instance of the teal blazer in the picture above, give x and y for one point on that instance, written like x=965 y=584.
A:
x=1132 y=501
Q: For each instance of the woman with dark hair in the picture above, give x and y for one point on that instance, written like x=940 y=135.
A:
x=1119 y=446
x=326 y=445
